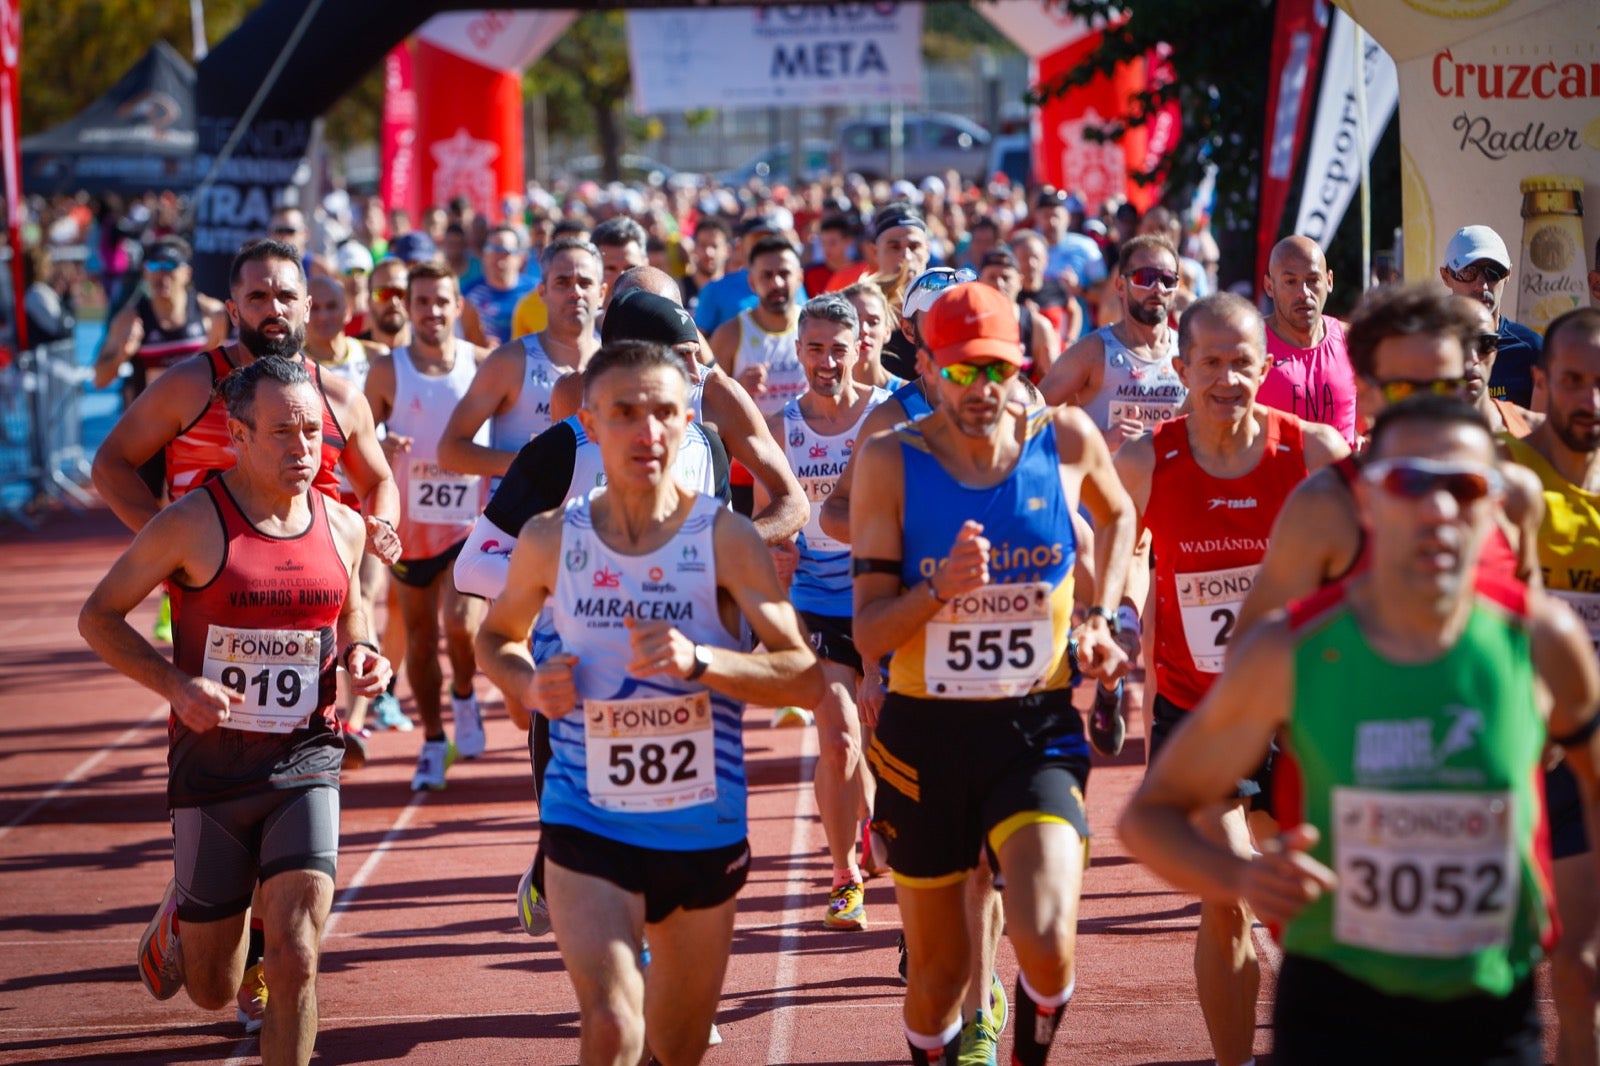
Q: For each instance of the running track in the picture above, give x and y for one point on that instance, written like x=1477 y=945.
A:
x=424 y=960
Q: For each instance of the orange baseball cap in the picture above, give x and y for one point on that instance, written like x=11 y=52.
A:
x=972 y=321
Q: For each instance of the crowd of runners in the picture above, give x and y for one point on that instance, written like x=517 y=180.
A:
x=909 y=489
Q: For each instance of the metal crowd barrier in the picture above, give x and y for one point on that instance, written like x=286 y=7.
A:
x=42 y=457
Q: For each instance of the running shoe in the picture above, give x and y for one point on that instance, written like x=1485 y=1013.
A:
x=847 y=907
x=386 y=714
x=432 y=760
x=355 y=748
x=715 y=1038
x=162 y=630
x=980 y=1042
x=470 y=738
x=874 y=851
x=791 y=718
x=160 y=954
x=532 y=910
x=999 y=1006
x=900 y=949
x=1106 y=726
x=251 y=1009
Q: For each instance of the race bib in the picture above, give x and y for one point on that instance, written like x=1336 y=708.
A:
x=277 y=671
x=1148 y=413
x=1209 y=606
x=1587 y=607
x=818 y=489
x=440 y=497
x=652 y=754
x=1431 y=874
x=989 y=644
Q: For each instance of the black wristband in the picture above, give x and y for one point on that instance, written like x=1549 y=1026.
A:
x=861 y=565
x=1110 y=617
x=344 y=659
x=385 y=521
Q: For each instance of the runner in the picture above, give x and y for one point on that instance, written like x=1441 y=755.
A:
x=713 y=241
x=1040 y=342
x=1309 y=374
x=354 y=263
x=757 y=348
x=1503 y=416
x=1476 y=265
x=511 y=390
x=819 y=429
x=254 y=748
x=872 y=311
x=1122 y=374
x=900 y=239
x=386 y=312
x=1404 y=340
x=341 y=355
x=644 y=827
x=487 y=303
x=412 y=392
x=1207 y=486
x=167 y=323
x=983 y=716
x=1411 y=881
x=1565 y=454
x=621 y=241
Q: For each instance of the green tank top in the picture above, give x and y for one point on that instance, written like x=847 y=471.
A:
x=1423 y=782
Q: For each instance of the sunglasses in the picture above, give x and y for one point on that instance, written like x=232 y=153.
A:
x=1401 y=388
x=1488 y=343
x=1416 y=479
x=964 y=374
x=1150 y=277
x=938 y=282
x=285 y=231
x=388 y=292
x=161 y=266
x=502 y=249
x=356 y=272
x=1490 y=272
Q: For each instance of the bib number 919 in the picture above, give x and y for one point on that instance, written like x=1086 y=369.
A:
x=649 y=763
x=285 y=682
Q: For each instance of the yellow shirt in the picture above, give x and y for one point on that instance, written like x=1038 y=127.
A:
x=530 y=315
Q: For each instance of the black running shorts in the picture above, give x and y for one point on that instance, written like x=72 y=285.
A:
x=1564 y=809
x=668 y=880
x=420 y=573
x=955 y=775
x=1257 y=788
x=831 y=639
x=221 y=850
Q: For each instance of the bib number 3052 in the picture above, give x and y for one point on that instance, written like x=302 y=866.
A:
x=1430 y=874
x=992 y=643
x=277 y=671
x=651 y=754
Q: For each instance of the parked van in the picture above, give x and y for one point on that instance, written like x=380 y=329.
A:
x=934 y=143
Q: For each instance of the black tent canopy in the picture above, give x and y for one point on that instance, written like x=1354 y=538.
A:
x=138 y=136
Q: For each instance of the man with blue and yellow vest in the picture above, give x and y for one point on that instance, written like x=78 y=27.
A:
x=1564 y=451
x=1411 y=883
x=963 y=562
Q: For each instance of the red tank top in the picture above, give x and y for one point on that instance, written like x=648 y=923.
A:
x=202 y=450
x=1497 y=559
x=264 y=626
x=1209 y=536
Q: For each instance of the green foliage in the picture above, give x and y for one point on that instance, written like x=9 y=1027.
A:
x=1220 y=55
x=953 y=30
x=585 y=79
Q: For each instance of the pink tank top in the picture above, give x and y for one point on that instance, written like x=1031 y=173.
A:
x=1314 y=384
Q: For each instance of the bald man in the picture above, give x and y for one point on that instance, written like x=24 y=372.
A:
x=1309 y=372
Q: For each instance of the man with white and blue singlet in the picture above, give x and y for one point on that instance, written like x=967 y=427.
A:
x=644 y=802
x=819 y=430
x=963 y=562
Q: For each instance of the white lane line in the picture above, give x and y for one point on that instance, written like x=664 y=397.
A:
x=794 y=905
x=244 y=1050
x=84 y=769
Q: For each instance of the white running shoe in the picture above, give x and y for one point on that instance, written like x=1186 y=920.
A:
x=431 y=763
x=791 y=718
x=532 y=909
x=386 y=714
x=470 y=739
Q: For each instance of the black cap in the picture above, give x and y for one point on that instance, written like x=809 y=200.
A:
x=1050 y=196
x=896 y=214
x=175 y=249
x=637 y=315
x=1001 y=256
x=755 y=224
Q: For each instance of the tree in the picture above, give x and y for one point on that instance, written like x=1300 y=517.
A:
x=585 y=79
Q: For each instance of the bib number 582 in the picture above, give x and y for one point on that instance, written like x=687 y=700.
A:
x=649 y=763
x=988 y=652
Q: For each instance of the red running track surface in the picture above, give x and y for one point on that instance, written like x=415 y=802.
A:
x=424 y=959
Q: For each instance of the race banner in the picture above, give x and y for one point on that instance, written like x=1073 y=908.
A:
x=1333 y=171
x=780 y=55
x=11 y=148
x=1499 y=126
x=398 y=137
x=1299 y=31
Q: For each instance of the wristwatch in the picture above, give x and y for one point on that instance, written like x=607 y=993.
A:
x=1112 y=624
x=702 y=661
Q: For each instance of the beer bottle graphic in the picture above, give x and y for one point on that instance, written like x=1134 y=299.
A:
x=1553 y=279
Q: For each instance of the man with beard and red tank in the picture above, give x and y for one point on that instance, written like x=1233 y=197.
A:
x=254 y=741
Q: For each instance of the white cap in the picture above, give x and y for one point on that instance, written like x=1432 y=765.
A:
x=353 y=256
x=1472 y=243
x=933 y=185
x=904 y=190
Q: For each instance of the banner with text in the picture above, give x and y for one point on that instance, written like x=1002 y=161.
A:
x=398 y=186
x=11 y=147
x=1333 y=170
x=1499 y=126
x=1297 y=37
x=782 y=55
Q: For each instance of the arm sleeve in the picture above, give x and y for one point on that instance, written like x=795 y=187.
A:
x=537 y=480
x=484 y=560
